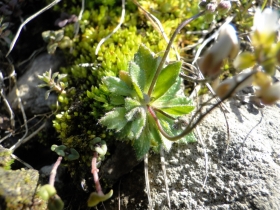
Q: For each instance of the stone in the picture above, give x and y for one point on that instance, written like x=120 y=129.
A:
x=33 y=97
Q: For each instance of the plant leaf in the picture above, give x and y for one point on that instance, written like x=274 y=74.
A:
x=114 y=119
x=174 y=106
x=133 y=113
x=131 y=103
x=116 y=100
x=117 y=86
x=142 y=144
x=124 y=76
x=154 y=134
x=147 y=62
x=47 y=94
x=175 y=90
x=138 y=78
x=139 y=123
x=74 y=155
x=166 y=79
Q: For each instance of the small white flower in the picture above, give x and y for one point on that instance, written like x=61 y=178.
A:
x=226 y=46
x=266 y=21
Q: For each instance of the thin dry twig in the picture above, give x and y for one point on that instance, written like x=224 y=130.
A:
x=19 y=142
x=21 y=161
x=23 y=141
x=147 y=181
x=27 y=20
x=115 y=29
x=77 y=24
x=158 y=26
x=2 y=94
x=163 y=163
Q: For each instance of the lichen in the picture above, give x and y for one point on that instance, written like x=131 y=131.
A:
x=5 y=158
x=18 y=190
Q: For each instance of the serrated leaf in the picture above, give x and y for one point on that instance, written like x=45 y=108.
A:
x=124 y=76
x=117 y=86
x=178 y=110
x=133 y=113
x=126 y=132
x=131 y=103
x=154 y=134
x=116 y=100
x=174 y=106
x=142 y=144
x=147 y=62
x=139 y=123
x=137 y=76
x=175 y=90
x=114 y=119
x=166 y=79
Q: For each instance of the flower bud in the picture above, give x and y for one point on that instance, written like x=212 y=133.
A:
x=226 y=46
x=211 y=7
x=224 y=6
x=227 y=85
x=270 y=94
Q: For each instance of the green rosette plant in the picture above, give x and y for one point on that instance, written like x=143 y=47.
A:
x=144 y=111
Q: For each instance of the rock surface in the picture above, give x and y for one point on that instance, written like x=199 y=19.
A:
x=32 y=97
x=244 y=176
x=18 y=190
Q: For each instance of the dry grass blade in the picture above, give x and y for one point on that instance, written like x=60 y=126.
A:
x=162 y=161
x=147 y=181
x=26 y=21
x=115 y=29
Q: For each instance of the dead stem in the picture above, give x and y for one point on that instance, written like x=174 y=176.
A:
x=54 y=171
x=94 y=171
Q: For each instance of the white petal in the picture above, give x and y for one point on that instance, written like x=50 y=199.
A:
x=266 y=21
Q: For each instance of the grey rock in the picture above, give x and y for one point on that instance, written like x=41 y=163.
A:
x=33 y=97
x=244 y=174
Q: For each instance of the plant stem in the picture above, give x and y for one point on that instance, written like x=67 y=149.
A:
x=94 y=171
x=54 y=170
x=160 y=67
x=192 y=124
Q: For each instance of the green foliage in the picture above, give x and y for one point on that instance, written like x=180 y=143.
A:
x=56 y=39
x=53 y=81
x=96 y=198
x=48 y=193
x=132 y=118
x=68 y=154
